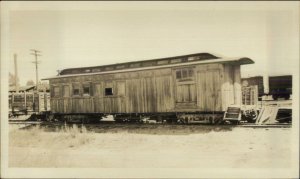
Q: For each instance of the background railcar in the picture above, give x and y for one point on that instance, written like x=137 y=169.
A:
x=276 y=86
x=280 y=86
x=197 y=83
x=28 y=103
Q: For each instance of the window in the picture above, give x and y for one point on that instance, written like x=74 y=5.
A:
x=109 y=68
x=86 y=89
x=56 y=91
x=66 y=91
x=108 y=91
x=191 y=72
x=184 y=73
x=178 y=74
x=76 y=71
x=175 y=60
x=162 y=62
x=147 y=64
x=134 y=65
x=120 y=67
x=76 y=89
x=96 y=70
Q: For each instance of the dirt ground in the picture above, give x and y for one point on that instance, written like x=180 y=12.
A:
x=150 y=146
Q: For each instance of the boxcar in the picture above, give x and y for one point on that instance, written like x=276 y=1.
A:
x=182 y=87
x=280 y=86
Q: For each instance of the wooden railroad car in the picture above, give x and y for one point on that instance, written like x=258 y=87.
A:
x=184 y=87
x=28 y=103
x=280 y=86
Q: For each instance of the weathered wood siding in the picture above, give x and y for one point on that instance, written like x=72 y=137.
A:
x=209 y=82
x=205 y=87
x=133 y=92
x=237 y=86
x=231 y=86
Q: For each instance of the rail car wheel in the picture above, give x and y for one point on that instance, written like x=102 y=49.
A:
x=171 y=119
x=119 y=120
x=50 y=117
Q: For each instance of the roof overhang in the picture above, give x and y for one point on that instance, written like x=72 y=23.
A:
x=245 y=61
x=235 y=61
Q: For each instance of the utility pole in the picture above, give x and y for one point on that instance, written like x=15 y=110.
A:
x=36 y=62
x=16 y=73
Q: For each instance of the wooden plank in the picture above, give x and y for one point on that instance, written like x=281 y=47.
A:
x=237 y=85
x=164 y=93
x=209 y=90
x=201 y=92
x=227 y=87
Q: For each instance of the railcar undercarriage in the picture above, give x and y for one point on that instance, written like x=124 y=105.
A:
x=171 y=118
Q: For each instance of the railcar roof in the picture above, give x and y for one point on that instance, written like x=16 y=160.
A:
x=197 y=58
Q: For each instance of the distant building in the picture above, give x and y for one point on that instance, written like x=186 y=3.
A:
x=22 y=89
x=29 y=88
x=252 y=81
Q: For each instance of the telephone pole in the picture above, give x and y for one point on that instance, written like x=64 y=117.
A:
x=36 y=62
x=16 y=73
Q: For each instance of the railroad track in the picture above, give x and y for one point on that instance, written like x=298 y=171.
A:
x=266 y=125
x=278 y=125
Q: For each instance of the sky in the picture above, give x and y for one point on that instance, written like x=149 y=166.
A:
x=78 y=34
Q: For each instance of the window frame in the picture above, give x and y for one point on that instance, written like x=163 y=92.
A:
x=86 y=85
x=185 y=73
x=63 y=91
x=76 y=86
x=54 y=94
x=108 y=95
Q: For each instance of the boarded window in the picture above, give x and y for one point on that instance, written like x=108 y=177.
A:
x=66 y=91
x=76 y=89
x=56 y=91
x=108 y=91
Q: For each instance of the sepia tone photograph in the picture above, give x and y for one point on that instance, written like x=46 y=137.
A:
x=150 y=89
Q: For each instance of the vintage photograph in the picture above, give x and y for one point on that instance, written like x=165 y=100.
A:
x=150 y=89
